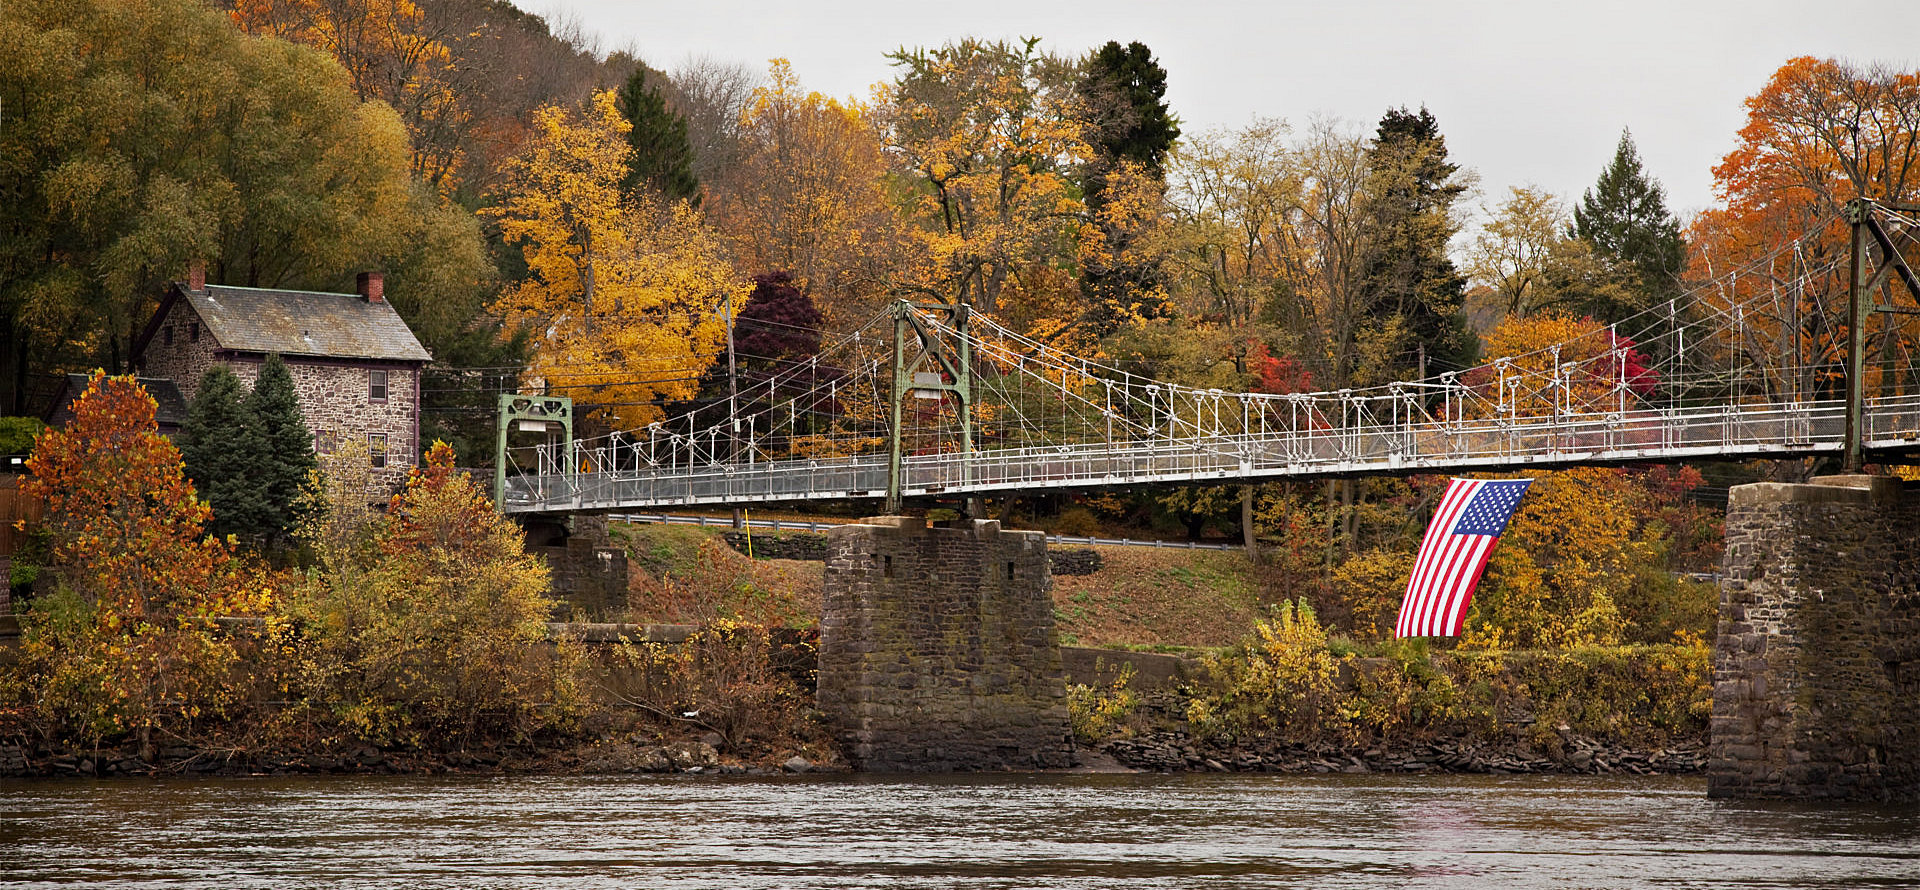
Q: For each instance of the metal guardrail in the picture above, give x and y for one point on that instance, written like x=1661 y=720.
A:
x=1785 y=429
x=778 y=525
x=795 y=525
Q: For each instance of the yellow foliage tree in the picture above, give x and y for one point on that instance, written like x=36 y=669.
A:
x=435 y=627
x=624 y=295
x=392 y=54
x=987 y=133
x=808 y=197
x=1563 y=564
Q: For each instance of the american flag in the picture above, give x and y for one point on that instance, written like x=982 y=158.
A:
x=1454 y=554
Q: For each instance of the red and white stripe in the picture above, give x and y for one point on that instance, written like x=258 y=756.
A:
x=1446 y=571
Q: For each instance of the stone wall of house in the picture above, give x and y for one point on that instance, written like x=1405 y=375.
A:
x=335 y=395
x=182 y=349
x=336 y=403
x=938 y=650
x=1817 y=658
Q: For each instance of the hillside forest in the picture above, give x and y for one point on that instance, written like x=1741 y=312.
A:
x=560 y=218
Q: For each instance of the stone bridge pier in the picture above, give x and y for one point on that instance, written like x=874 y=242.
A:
x=1816 y=664
x=938 y=650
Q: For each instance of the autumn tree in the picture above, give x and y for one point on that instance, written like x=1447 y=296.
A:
x=987 y=134
x=1233 y=244
x=624 y=292
x=128 y=644
x=659 y=157
x=1548 y=362
x=1563 y=564
x=435 y=641
x=1526 y=259
x=808 y=195
x=1129 y=131
x=1821 y=132
x=391 y=53
x=113 y=183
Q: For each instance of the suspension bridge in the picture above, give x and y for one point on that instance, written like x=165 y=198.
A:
x=1806 y=351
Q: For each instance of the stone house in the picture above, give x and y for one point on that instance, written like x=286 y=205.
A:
x=355 y=364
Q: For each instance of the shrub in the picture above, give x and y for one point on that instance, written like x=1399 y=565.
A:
x=1282 y=680
x=17 y=434
x=1097 y=712
x=725 y=678
x=1076 y=522
x=438 y=635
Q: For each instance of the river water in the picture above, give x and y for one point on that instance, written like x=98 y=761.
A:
x=973 y=831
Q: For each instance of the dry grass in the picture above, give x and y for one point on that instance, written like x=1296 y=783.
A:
x=1160 y=598
x=688 y=575
x=1142 y=597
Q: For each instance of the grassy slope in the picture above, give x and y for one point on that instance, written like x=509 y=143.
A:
x=1141 y=598
x=1159 y=599
x=679 y=574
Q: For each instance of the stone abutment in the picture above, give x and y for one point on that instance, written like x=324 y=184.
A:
x=1816 y=668
x=938 y=650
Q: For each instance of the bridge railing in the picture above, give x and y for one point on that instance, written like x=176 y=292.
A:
x=1731 y=431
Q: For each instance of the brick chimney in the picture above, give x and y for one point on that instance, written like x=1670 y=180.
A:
x=197 y=275
x=373 y=287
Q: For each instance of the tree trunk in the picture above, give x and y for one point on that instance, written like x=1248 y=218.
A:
x=1246 y=525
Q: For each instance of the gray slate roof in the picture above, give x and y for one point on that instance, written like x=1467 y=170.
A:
x=296 y=322
x=170 y=407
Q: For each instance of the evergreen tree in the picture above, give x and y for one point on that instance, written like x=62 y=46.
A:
x=285 y=448
x=658 y=153
x=1125 y=90
x=1411 y=293
x=1625 y=217
x=220 y=446
x=1130 y=129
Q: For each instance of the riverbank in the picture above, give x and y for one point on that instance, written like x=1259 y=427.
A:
x=1160 y=751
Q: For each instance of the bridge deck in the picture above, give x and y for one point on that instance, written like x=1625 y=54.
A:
x=1777 y=430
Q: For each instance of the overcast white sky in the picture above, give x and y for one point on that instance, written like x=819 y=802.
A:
x=1527 y=93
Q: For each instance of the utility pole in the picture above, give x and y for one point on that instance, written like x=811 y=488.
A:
x=733 y=408
x=1858 y=305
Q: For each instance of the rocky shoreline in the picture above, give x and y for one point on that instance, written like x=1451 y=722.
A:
x=1163 y=751
x=1172 y=751
x=604 y=757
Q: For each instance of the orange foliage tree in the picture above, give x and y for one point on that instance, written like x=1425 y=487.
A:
x=1819 y=134
x=128 y=642
x=1534 y=352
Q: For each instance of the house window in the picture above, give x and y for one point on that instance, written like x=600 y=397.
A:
x=166 y=335
x=376 y=386
x=193 y=332
x=326 y=441
x=376 y=450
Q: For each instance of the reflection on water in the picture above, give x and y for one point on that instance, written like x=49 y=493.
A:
x=993 y=831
